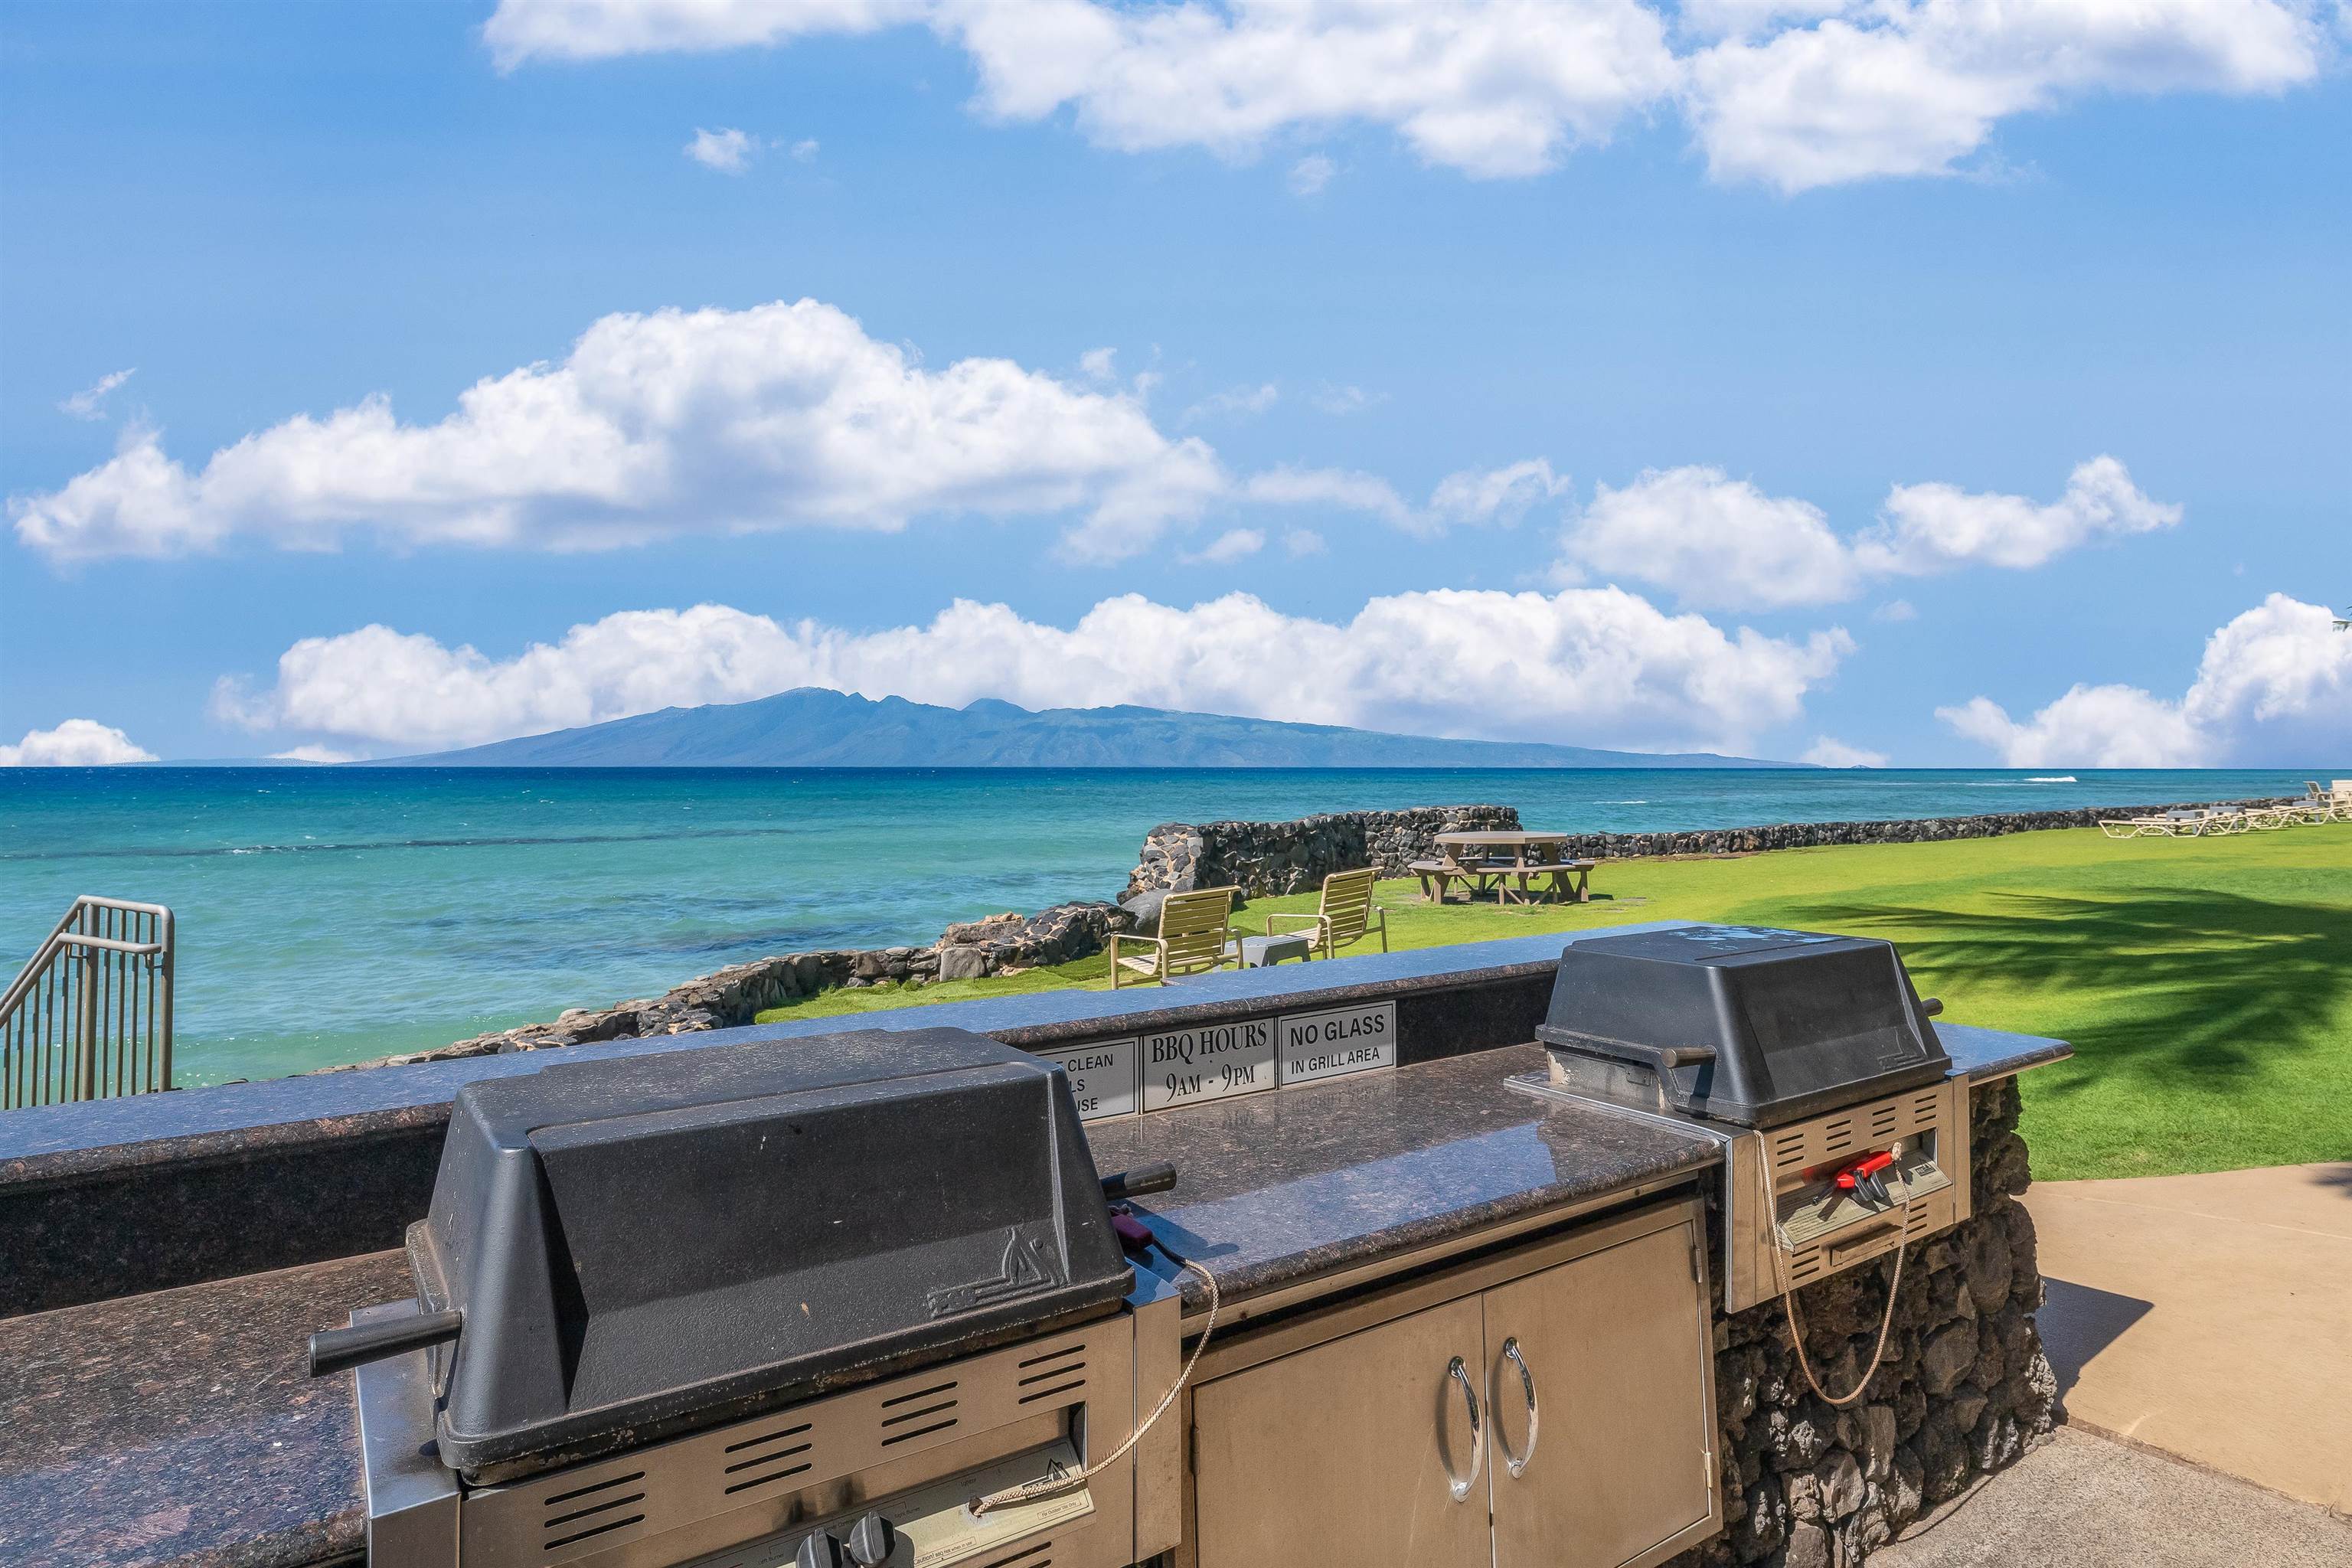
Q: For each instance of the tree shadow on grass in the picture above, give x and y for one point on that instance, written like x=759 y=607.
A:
x=2181 y=991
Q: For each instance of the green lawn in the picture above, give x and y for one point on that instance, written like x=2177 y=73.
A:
x=2206 y=984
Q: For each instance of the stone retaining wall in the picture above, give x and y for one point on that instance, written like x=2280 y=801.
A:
x=1899 y=830
x=1269 y=859
x=1259 y=857
x=1964 y=1389
x=738 y=994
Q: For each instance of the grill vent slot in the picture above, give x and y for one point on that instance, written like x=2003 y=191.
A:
x=1027 y=1557
x=772 y=1455
x=1056 y=1372
x=923 y=1393
x=590 y=1510
x=919 y=1412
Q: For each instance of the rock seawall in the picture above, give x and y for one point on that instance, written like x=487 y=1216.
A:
x=1964 y=1390
x=1270 y=858
x=1263 y=859
x=1896 y=830
x=739 y=992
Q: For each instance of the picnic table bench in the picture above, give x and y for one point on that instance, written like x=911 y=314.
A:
x=1516 y=866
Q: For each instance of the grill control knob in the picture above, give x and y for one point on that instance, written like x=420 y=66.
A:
x=871 y=1541
x=823 y=1550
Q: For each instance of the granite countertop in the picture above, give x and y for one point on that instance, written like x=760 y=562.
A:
x=228 y=1122
x=181 y=1427
x=1981 y=1055
x=1279 y=1188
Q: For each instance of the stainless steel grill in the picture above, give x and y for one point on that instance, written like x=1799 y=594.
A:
x=1809 y=1057
x=794 y=1304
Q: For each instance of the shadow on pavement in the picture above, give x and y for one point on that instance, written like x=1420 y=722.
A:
x=2078 y=1322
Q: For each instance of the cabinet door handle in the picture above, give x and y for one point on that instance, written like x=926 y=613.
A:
x=1461 y=1374
x=1515 y=1463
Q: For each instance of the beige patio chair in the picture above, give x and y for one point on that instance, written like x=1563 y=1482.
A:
x=1193 y=934
x=1346 y=914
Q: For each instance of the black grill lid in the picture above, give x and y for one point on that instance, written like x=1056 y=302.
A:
x=1741 y=1024
x=647 y=1246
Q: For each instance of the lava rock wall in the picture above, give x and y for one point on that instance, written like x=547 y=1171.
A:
x=1270 y=858
x=1963 y=1391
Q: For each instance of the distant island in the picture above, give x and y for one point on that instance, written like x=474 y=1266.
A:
x=812 y=727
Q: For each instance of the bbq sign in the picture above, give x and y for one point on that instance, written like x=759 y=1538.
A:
x=1102 y=1076
x=1310 y=1045
x=1216 y=1061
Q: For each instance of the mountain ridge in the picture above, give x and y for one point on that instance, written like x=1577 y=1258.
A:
x=815 y=726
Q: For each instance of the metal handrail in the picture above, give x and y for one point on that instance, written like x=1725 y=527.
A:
x=90 y=1017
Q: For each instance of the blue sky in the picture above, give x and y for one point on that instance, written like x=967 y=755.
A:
x=1770 y=425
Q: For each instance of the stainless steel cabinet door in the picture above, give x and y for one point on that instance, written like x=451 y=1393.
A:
x=1615 y=1347
x=1349 y=1453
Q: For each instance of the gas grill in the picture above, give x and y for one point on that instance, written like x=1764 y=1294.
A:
x=1810 y=1057
x=790 y=1303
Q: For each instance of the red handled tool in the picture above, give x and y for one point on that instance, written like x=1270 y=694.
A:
x=1862 y=1176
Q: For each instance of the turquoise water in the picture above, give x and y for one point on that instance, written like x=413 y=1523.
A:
x=333 y=914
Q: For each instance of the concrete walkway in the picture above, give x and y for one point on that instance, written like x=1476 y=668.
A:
x=2081 y=1501
x=2210 y=1316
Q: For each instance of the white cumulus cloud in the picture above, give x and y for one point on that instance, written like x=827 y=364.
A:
x=707 y=420
x=1593 y=667
x=1913 y=87
x=1827 y=752
x=1932 y=527
x=1716 y=541
x=90 y=402
x=1794 y=94
x=1501 y=495
x=1719 y=542
x=1234 y=544
x=2273 y=688
x=728 y=151
x=76 y=743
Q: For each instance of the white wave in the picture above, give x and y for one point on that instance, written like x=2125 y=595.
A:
x=2054 y=778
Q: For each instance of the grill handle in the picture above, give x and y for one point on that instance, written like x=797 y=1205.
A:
x=1658 y=1058
x=1933 y=1007
x=334 y=1350
x=1157 y=1177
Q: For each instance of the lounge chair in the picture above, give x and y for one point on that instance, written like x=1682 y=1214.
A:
x=1346 y=914
x=1194 y=936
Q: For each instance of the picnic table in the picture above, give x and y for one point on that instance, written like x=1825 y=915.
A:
x=1511 y=862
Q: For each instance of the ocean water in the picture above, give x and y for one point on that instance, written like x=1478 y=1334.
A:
x=333 y=914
